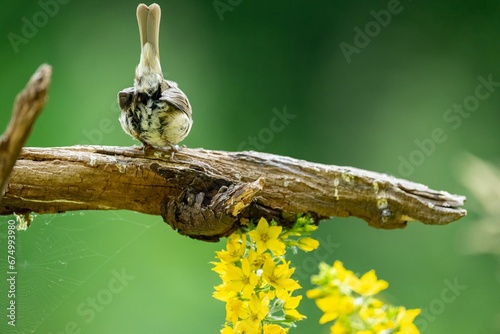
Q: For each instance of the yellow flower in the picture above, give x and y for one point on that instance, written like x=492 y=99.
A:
x=340 y=328
x=334 y=306
x=368 y=284
x=307 y=244
x=236 y=309
x=345 y=276
x=348 y=300
x=235 y=248
x=291 y=303
x=267 y=237
x=255 y=276
x=405 y=319
x=259 y=306
x=257 y=260
x=376 y=317
x=258 y=310
x=219 y=268
x=278 y=276
x=246 y=327
x=314 y=293
x=227 y=330
x=270 y=293
x=241 y=279
x=274 y=329
x=223 y=293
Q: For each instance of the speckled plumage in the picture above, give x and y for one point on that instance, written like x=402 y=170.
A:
x=154 y=111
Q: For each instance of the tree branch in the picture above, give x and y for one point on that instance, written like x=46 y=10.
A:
x=28 y=105
x=208 y=194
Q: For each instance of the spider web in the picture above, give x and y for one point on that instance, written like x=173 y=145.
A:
x=53 y=261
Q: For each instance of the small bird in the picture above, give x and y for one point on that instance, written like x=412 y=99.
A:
x=155 y=111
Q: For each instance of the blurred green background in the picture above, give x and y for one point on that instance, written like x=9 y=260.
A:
x=122 y=272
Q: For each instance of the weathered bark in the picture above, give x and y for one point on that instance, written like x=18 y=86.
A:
x=207 y=194
x=28 y=105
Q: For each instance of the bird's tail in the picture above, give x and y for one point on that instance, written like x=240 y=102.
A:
x=148 y=19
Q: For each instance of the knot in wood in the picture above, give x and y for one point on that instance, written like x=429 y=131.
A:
x=209 y=208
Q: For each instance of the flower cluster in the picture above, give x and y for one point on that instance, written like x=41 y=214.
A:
x=256 y=278
x=350 y=302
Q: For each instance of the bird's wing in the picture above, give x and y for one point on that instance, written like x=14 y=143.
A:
x=173 y=95
x=125 y=97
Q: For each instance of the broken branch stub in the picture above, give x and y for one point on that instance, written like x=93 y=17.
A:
x=28 y=105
